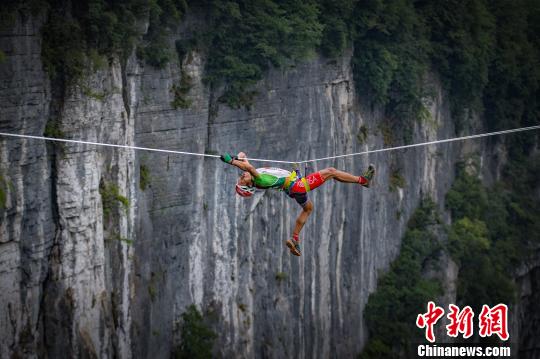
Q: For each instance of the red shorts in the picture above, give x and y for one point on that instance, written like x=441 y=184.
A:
x=314 y=180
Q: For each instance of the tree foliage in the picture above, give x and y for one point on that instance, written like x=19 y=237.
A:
x=76 y=31
x=467 y=197
x=403 y=291
x=493 y=230
x=461 y=36
x=390 y=53
x=511 y=96
x=486 y=52
x=336 y=17
x=246 y=37
x=197 y=338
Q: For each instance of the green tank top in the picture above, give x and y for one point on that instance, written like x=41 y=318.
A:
x=271 y=177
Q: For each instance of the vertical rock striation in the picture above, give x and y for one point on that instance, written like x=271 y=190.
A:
x=65 y=280
x=199 y=243
x=27 y=221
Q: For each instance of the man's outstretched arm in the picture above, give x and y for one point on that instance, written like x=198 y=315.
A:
x=241 y=162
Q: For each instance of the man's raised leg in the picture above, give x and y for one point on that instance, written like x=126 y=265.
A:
x=341 y=176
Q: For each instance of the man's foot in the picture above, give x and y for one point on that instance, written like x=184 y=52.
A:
x=294 y=247
x=368 y=176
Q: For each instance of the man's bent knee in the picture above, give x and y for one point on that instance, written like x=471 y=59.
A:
x=327 y=173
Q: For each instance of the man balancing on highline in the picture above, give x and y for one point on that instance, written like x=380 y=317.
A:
x=292 y=184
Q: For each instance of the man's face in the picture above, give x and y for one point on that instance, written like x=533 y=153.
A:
x=245 y=179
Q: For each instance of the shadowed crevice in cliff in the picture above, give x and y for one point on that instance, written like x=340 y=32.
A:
x=125 y=87
x=56 y=304
x=529 y=332
x=213 y=110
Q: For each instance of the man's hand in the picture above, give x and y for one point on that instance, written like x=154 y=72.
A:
x=227 y=158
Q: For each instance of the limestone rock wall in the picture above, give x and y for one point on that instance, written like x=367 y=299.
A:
x=65 y=273
x=84 y=276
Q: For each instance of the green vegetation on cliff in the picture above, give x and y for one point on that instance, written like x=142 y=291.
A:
x=511 y=96
x=111 y=198
x=461 y=40
x=3 y=191
x=493 y=230
x=485 y=52
x=403 y=291
x=197 y=338
x=246 y=37
x=76 y=31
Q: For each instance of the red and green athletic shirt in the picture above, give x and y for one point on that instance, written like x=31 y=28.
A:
x=271 y=177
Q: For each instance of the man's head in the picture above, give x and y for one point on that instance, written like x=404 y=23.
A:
x=244 y=186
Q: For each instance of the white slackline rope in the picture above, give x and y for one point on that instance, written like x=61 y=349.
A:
x=106 y=144
x=55 y=139
x=428 y=143
x=275 y=161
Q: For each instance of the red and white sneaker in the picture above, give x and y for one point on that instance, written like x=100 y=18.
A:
x=294 y=247
x=366 y=178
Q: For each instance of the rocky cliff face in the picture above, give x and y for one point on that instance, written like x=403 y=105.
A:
x=525 y=322
x=65 y=287
x=85 y=275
